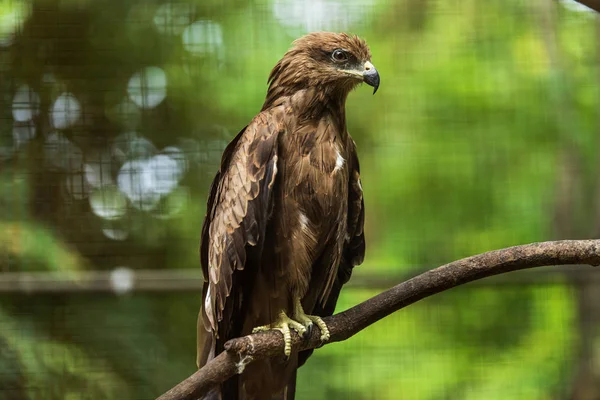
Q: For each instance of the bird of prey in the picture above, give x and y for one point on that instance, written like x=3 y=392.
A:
x=284 y=221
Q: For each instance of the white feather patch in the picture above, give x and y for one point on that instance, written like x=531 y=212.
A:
x=274 y=171
x=208 y=306
x=303 y=221
x=339 y=161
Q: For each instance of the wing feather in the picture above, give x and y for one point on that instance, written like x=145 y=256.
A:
x=238 y=209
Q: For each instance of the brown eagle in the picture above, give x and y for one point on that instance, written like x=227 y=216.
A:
x=284 y=221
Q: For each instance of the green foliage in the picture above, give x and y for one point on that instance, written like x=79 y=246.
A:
x=462 y=151
x=408 y=354
x=50 y=369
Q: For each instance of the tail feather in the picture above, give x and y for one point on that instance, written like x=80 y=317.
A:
x=205 y=343
x=206 y=348
x=230 y=388
x=214 y=394
x=289 y=392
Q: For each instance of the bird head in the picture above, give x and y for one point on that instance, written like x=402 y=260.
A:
x=336 y=62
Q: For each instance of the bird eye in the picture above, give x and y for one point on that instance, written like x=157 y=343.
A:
x=339 y=55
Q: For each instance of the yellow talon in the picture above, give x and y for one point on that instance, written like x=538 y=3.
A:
x=301 y=323
x=308 y=320
x=283 y=325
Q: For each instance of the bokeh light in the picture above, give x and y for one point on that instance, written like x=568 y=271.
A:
x=203 y=37
x=108 y=202
x=173 y=17
x=26 y=104
x=65 y=111
x=122 y=279
x=302 y=16
x=148 y=87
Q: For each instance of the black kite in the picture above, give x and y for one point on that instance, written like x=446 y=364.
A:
x=284 y=222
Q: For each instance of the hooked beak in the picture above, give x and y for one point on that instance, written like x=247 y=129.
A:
x=371 y=76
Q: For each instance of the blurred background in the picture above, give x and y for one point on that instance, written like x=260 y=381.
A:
x=484 y=134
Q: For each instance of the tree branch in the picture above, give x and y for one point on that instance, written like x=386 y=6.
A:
x=242 y=351
x=593 y=4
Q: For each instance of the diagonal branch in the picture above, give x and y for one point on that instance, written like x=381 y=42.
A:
x=593 y=4
x=242 y=351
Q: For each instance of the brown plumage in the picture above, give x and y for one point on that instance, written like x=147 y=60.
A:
x=284 y=222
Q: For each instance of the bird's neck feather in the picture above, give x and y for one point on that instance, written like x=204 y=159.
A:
x=311 y=103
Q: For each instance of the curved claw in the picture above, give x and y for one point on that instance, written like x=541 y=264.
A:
x=325 y=335
x=309 y=329
x=309 y=321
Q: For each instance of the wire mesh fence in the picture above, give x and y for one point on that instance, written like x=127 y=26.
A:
x=113 y=118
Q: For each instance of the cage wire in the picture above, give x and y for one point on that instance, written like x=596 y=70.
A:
x=113 y=118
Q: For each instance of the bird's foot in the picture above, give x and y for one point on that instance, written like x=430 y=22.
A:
x=283 y=325
x=309 y=320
